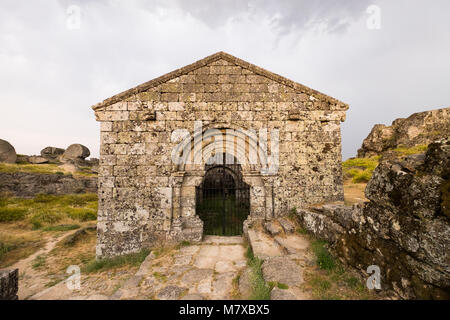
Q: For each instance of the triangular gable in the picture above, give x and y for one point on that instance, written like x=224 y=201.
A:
x=208 y=60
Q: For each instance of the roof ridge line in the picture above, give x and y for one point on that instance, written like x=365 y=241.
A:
x=203 y=62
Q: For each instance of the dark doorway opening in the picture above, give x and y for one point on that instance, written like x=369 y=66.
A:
x=223 y=198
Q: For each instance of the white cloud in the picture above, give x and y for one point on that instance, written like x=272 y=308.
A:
x=50 y=75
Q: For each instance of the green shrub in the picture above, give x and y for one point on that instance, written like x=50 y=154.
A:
x=12 y=214
x=324 y=259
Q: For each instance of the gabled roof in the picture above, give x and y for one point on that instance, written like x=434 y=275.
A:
x=205 y=61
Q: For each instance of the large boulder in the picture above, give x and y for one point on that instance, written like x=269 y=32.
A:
x=51 y=153
x=418 y=129
x=76 y=152
x=7 y=152
x=37 y=160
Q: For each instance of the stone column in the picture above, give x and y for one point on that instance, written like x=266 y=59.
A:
x=176 y=180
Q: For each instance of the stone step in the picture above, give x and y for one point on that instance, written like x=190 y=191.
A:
x=263 y=246
x=287 y=225
x=223 y=240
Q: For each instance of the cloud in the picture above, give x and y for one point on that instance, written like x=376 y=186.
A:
x=51 y=75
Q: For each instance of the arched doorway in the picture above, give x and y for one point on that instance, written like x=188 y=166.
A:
x=223 y=198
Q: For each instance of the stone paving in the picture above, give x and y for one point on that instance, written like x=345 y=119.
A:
x=204 y=271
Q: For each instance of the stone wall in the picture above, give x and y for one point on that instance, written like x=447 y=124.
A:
x=9 y=284
x=143 y=195
x=21 y=184
x=404 y=229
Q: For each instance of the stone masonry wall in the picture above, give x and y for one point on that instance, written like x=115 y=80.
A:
x=404 y=229
x=139 y=190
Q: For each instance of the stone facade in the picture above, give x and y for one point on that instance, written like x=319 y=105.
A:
x=145 y=196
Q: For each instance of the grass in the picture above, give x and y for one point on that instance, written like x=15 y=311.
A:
x=39 y=261
x=260 y=290
x=278 y=285
x=159 y=276
x=405 y=151
x=45 y=168
x=62 y=227
x=17 y=244
x=131 y=259
x=325 y=260
x=331 y=281
x=360 y=170
x=46 y=210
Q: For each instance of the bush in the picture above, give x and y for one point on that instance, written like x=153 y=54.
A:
x=12 y=214
x=324 y=258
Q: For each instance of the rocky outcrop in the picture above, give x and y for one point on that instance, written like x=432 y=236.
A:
x=419 y=129
x=404 y=228
x=9 y=284
x=37 y=160
x=21 y=184
x=52 y=153
x=7 y=152
x=75 y=152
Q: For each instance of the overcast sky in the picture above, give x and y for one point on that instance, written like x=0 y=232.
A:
x=51 y=71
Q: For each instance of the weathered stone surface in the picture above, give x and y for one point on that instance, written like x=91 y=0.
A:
x=21 y=184
x=7 y=152
x=280 y=294
x=52 y=153
x=37 y=160
x=170 y=293
x=263 y=246
x=76 y=152
x=404 y=229
x=245 y=284
x=419 y=128
x=69 y=167
x=9 y=284
x=287 y=226
x=282 y=270
x=273 y=228
x=140 y=138
x=195 y=275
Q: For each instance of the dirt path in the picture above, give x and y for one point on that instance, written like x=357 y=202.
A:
x=32 y=281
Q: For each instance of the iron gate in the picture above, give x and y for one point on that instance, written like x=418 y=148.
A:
x=223 y=201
